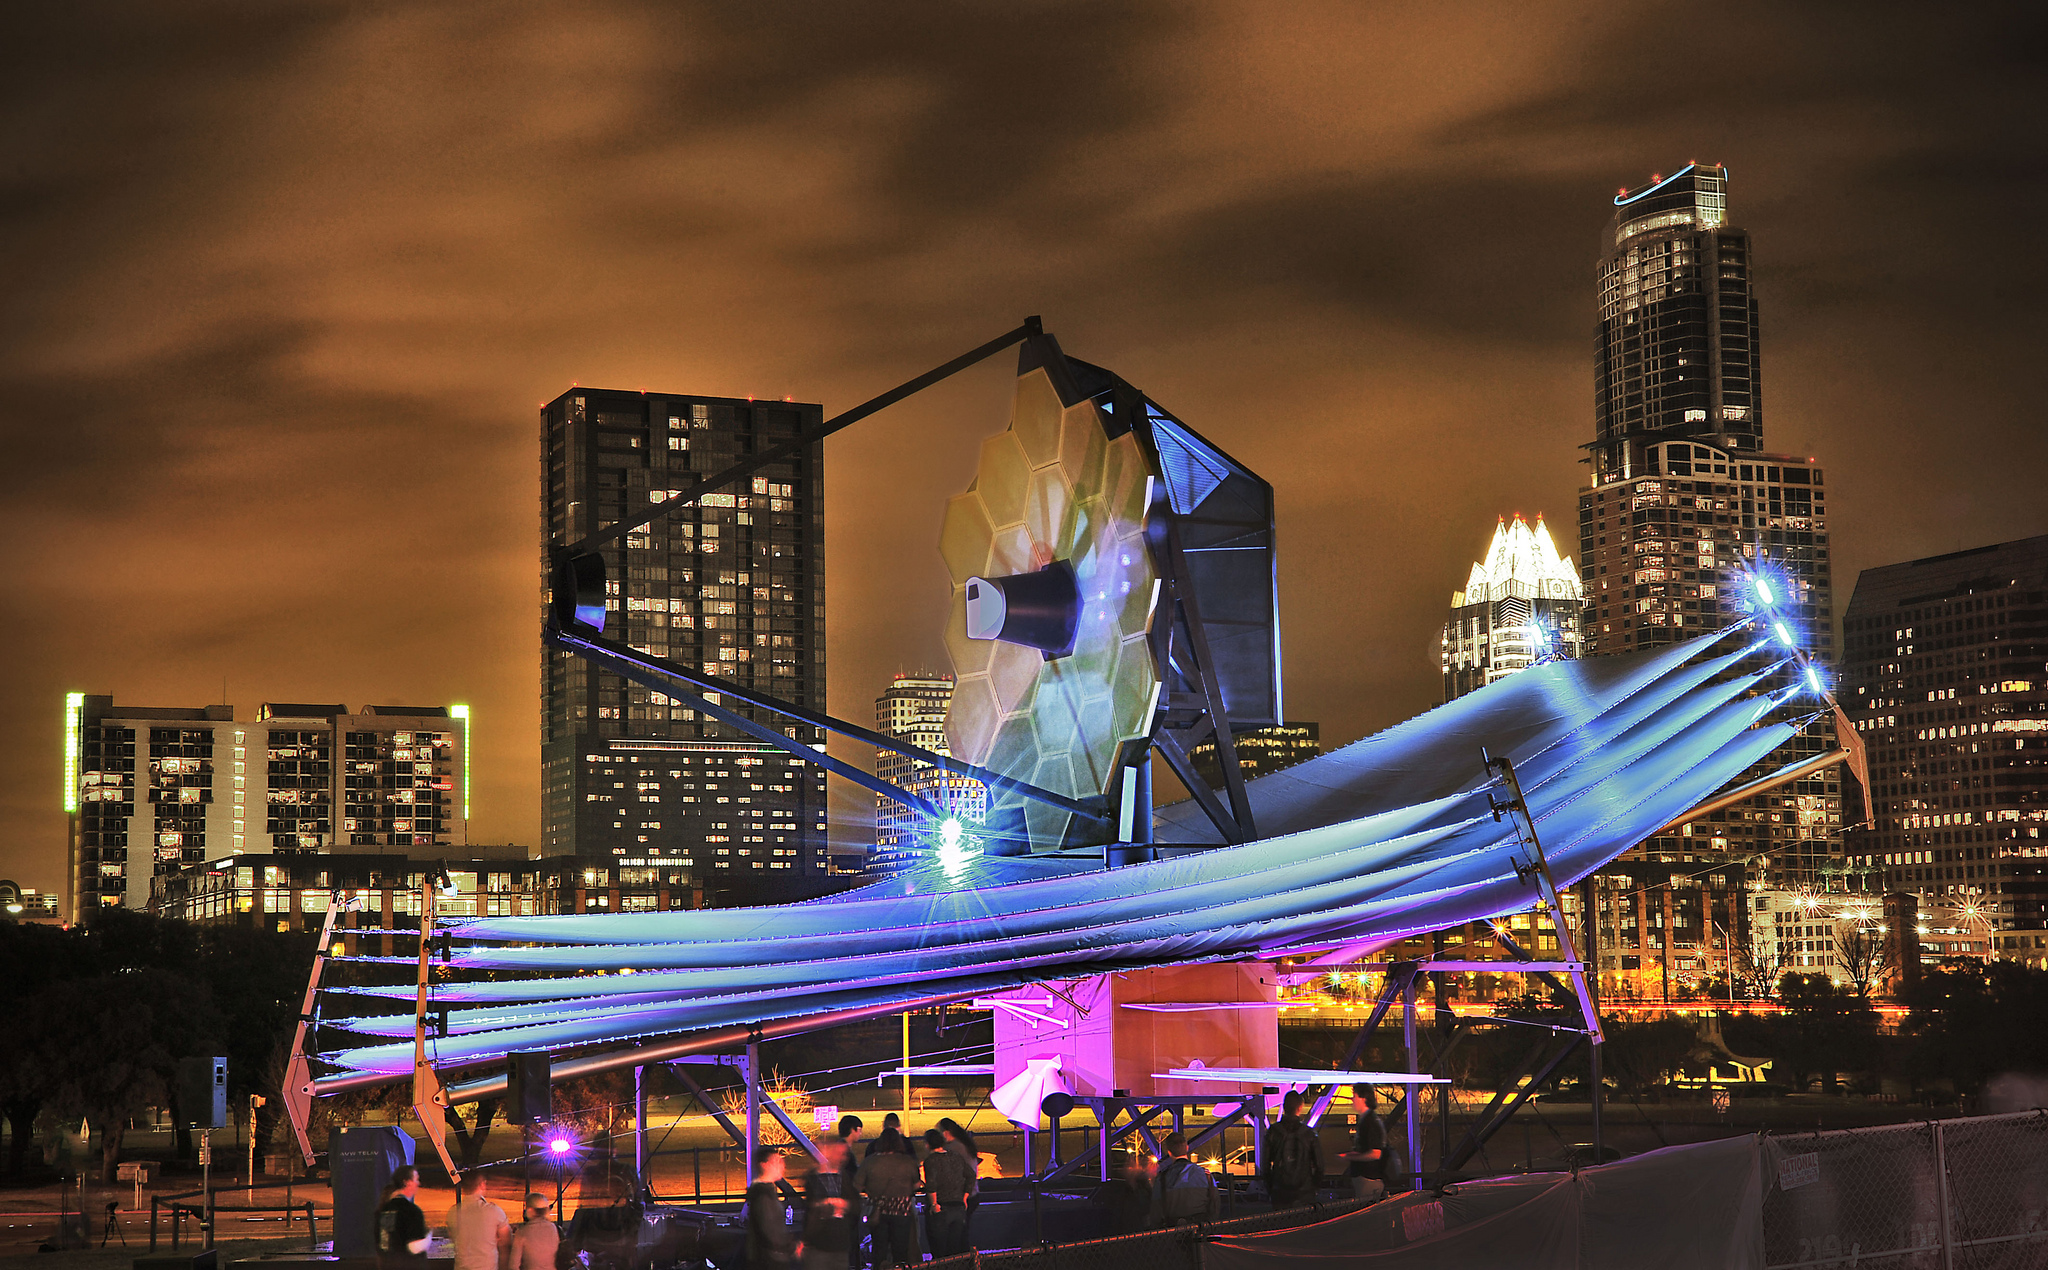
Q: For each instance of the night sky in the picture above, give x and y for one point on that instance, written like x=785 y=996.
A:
x=285 y=284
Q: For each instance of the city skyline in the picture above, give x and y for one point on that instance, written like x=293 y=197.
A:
x=277 y=428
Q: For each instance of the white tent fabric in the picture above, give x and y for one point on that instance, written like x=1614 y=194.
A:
x=1697 y=1207
x=1394 y=836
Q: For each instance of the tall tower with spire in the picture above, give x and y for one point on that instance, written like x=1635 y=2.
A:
x=1684 y=505
x=1521 y=605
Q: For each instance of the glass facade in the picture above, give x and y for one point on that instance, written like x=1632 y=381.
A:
x=1684 y=508
x=1676 y=354
x=159 y=789
x=913 y=707
x=731 y=586
x=1945 y=677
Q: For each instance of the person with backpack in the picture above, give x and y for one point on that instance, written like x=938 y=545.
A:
x=1183 y=1194
x=1368 y=1153
x=890 y=1177
x=1294 y=1157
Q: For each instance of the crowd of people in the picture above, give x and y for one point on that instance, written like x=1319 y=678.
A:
x=482 y=1236
x=873 y=1189
x=880 y=1186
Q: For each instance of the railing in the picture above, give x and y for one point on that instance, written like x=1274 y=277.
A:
x=202 y=1215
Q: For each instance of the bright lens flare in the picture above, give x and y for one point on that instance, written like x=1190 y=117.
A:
x=1813 y=680
x=1784 y=635
x=1763 y=593
x=954 y=849
x=559 y=1146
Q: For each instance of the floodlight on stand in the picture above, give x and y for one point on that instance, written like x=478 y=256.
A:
x=1040 y=610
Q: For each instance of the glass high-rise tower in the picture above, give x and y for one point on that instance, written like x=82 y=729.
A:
x=1684 y=505
x=913 y=708
x=1676 y=356
x=732 y=586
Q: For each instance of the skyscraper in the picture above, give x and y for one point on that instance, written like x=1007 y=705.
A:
x=913 y=708
x=734 y=586
x=1676 y=355
x=1945 y=673
x=1521 y=605
x=1684 y=506
x=150 y=789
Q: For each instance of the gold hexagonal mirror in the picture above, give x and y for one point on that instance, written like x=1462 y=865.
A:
x=1054 y=493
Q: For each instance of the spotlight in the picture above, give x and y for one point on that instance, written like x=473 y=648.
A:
x=1784 y=635
x=1813 y=680
x=954 y=846
x=1763 y=592
x=559 y=1146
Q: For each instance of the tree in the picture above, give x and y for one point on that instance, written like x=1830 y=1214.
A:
x=30 y=955
x=109 y=1046
x=1640 y=1056
x=1823 y=1030
x=1859 y=952
x=470 y=1138
x=1760 y=964
x=1968 y=1022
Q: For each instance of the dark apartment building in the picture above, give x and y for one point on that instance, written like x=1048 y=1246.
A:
x=733 y=587
x=1945 y=675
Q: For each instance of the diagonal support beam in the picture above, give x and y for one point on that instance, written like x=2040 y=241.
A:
x=1537 y=869
x=704 y=1098
x=1486 y=1128
x=297 y=1092
x=1182 y=598
x=1176 y=757
x=662 y=675
x=1392 y=991
x=811 y=436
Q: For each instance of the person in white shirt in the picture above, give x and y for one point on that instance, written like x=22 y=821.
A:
x=477 y=1227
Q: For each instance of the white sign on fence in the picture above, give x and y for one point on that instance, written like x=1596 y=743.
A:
x=1795 y=1171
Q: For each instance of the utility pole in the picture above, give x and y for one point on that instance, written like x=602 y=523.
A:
x=205 y=1179
x=906 y=1072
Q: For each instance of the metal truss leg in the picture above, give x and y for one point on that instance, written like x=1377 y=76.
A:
x=752 y=1072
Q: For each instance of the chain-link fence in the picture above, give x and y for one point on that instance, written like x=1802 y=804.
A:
x=1177 y=1249
x=1968 y=1194
x=1944 y=1193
